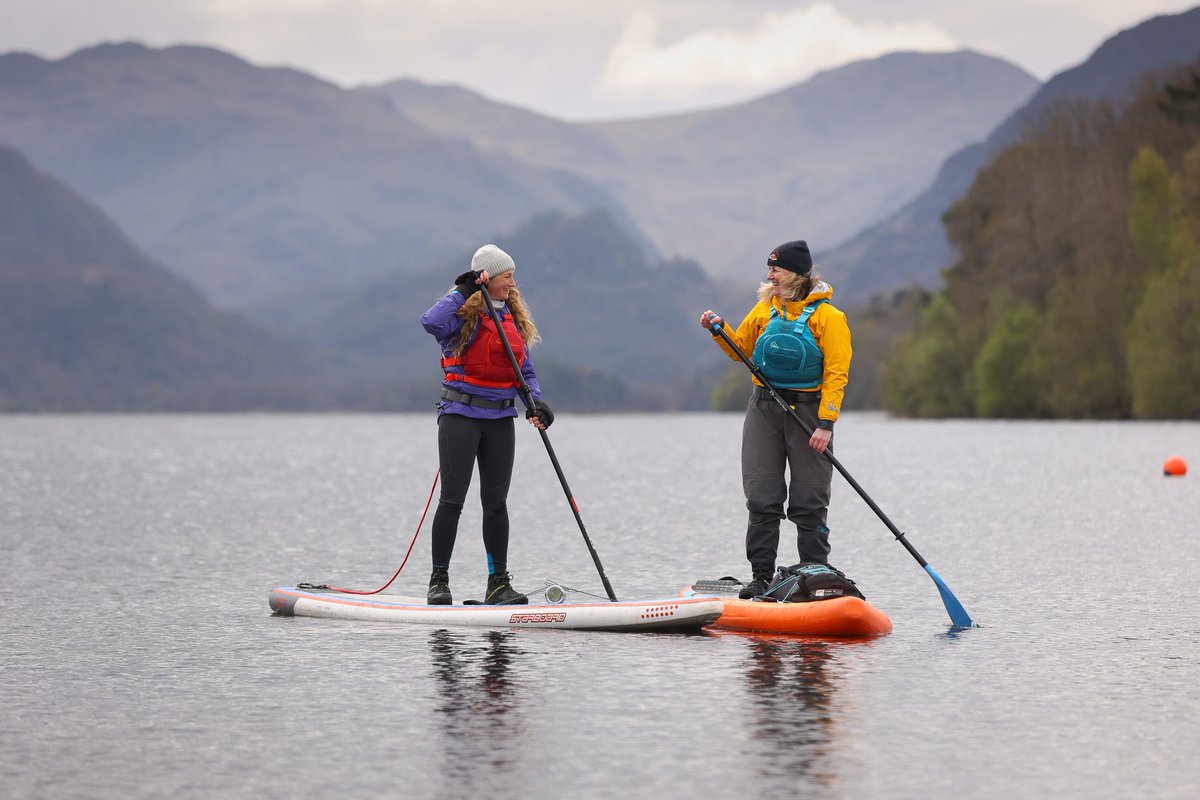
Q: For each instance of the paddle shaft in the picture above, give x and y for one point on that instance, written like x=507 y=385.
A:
x=958 y=614
x=527 y=397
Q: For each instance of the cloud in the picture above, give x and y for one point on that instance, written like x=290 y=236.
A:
x=584 y=60
x=781 y=48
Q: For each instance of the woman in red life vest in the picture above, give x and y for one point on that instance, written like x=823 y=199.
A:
x=476 y=411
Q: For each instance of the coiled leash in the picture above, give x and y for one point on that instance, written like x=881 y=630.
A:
x=417 y=532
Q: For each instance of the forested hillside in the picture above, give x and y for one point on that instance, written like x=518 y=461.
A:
x=912 y=245
x=1077 y=290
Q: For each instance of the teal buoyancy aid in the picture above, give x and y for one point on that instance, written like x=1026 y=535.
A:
x=787 y=351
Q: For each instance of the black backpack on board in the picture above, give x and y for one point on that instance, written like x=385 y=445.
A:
x=808 y=581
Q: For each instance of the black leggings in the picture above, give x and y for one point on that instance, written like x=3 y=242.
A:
x=461 y=442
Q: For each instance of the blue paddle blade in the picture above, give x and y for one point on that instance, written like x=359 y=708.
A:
x=958 y=614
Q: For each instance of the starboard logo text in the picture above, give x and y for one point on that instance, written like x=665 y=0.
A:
x=533 y=619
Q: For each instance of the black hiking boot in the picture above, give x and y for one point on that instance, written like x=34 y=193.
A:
x=501 y=593
x=439 y=588
x=757 y=586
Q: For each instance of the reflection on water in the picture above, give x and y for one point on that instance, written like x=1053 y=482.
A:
x=792 y=691
x=479 y=717
x=793 y=686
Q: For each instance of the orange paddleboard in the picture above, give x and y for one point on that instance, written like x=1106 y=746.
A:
x=836 y=616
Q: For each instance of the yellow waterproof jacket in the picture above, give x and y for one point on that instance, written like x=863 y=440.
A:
x=830 y=330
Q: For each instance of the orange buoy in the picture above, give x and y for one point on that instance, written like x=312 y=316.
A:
x=1175 y=467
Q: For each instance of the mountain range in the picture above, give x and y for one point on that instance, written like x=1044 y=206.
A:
x=180 y=229
x=268 y=189
x=818 y=160
x=89 y=323
x=281 y=195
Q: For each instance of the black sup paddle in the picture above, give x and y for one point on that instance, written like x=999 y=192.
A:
x=958 y=614
x=527 y=398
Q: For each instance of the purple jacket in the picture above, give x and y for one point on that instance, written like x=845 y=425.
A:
x=444 y=324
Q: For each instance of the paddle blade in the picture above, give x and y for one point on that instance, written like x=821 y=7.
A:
x=958 y=614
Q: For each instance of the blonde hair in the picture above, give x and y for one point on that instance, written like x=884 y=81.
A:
x=792 y=287
x=475 y=308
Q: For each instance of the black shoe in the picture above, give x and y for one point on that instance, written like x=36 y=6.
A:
x=439 y=588
x=757 y=586
x=501 y=593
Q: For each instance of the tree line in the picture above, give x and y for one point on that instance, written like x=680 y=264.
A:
x=1077 y=289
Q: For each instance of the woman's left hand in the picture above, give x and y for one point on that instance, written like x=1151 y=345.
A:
x=820 y=439
x=540 y=415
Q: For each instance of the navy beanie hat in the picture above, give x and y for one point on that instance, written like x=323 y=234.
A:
x=793 y=256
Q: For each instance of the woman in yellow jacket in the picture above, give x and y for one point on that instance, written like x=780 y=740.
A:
x=802 y=345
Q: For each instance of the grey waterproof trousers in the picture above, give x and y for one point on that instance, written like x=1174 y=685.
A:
x=771 y=442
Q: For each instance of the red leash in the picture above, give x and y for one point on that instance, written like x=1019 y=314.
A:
x=436 y=475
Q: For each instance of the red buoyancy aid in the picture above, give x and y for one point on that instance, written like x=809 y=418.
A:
x=484 y=362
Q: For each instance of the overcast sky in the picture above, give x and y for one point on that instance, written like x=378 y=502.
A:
x=585 y=59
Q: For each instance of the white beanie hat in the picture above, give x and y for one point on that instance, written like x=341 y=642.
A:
x=493 y=259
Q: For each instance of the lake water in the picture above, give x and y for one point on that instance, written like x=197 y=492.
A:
x=138 y=657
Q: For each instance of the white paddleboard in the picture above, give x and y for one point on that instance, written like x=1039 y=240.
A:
x=656 y=614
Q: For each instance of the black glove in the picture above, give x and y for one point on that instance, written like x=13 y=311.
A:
x=541 y=410
x=465 y=283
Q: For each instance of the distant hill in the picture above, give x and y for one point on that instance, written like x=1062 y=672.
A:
x=456 y=112
x=820 y=159
x=87 y=322
x=605 y=312
x=909 y=248
x=272 y=191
